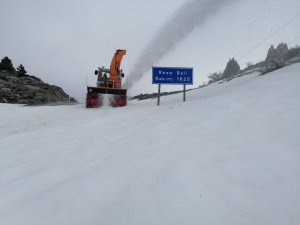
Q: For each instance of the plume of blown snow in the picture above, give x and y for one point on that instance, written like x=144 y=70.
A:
x=191 y=15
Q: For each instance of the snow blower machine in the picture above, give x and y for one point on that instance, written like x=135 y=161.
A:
x=108 y=83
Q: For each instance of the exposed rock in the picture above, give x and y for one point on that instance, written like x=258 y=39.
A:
x=30 y=90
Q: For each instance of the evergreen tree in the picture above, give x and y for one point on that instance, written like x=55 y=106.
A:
x=272 y=54
x=21 y=70
x=232 y=68
x=293 y=53
x=282 y=49
x=276 y=57
x=7 y=65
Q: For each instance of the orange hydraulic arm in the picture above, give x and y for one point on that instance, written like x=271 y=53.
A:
x=115 y=73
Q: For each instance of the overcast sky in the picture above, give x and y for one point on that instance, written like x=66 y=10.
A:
x=64 y=41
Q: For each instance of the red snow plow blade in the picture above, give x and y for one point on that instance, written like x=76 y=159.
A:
x=118 y=101
x=93 y=100
x=94 y=97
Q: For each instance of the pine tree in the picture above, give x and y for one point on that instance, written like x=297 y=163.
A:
x=232 y=68
x=7 y=65
x=272 y=54
x=282 y=49
x=21 y=70
x=276 y=57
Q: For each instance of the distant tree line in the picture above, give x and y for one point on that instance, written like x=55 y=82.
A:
x=276 y=58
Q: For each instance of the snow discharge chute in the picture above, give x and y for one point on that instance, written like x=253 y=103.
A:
x=191 y=15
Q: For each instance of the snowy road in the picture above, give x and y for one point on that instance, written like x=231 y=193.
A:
x=229 y=155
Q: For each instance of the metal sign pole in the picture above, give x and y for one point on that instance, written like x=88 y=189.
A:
x=184 y=92
x=158 y=97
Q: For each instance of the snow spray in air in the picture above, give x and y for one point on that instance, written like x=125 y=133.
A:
x=191 y=15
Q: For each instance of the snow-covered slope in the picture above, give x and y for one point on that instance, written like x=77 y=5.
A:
x=229 y=155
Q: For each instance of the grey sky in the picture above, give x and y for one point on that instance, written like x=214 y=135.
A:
x=64 y=41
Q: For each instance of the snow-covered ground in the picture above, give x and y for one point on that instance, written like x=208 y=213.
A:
x=229 y=155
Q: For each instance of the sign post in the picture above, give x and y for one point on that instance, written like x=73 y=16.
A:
x=184 y=92
x=158 y=97
x=172 y=75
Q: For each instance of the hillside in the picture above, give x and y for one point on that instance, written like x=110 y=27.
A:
x=18 y=87
x=277 y=58
x=229 y=155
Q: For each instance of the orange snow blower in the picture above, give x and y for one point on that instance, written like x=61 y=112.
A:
x=108 y=82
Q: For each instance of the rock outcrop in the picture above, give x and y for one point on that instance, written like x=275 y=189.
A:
x=30 y=90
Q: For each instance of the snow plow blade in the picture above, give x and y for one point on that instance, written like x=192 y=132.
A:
x=94 y=97
x=106 y=90
x=118 y=100
x=93 y=100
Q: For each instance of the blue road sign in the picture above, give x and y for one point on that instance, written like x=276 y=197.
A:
x=172 y=75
